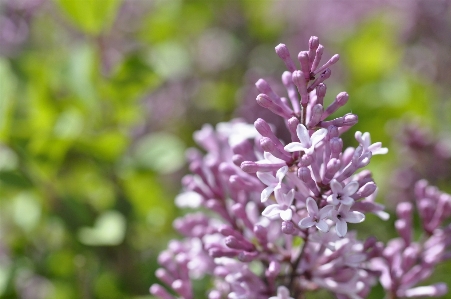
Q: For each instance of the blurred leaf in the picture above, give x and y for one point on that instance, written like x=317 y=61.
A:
x=61 y=263
x=8 y=159
x=170 y=59
x=4 y=277
x=91 y=16
x=106 y=286
x=27 y=211
x=81 y=65
x=14 y=179
x=7 y=87
x=106 y=146
x=161 y=152
x=148 y=196
x=109 y=230
x=69 y=124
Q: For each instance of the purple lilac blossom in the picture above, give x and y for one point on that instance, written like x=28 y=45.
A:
x=267 y=195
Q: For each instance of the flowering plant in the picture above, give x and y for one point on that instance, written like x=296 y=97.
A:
x=274 y=216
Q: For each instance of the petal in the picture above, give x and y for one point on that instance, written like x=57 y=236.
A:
x=354 y=217
x=358 y=137
x=343 y=209
x=289 y=197
x=366 y=139
x=346 y=200
x=336 y=186
x=303 y=135
x=335 y=200
x=324 y=212
x=278 y=193
x=378 y=151
x=312 y=207
x=318 y=136
x=306 y=222
x=266 y=193
x=286 y=215
x=322 y=226
x=267 y=178
x=330 y=199
x=294 y=147
x=281 y=173
x=309 y=151
x=350 y=188
x=341 y=227
x=270 y=157
x=271 y=211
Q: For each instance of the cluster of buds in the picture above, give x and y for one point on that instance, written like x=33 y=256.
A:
x=275 y=220
x=405 y=263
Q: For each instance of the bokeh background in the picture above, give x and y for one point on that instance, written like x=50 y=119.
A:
x=99 y=100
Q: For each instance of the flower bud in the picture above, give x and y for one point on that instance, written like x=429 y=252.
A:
x=318 y=55
x=303 y=58
x=284 y=54
x=266 y=102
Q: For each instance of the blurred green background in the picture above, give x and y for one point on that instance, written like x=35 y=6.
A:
x=99 y=100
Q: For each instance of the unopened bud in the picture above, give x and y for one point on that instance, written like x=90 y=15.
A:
x=284 y=54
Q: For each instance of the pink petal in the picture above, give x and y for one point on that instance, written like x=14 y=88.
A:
x=267 y=178
x=358 y=137
x=324 y=212
x=294 y=147
x=351 y=188
x=346 y=200
x=354 y=217
x=271 y=211
x=318 y=136
x=341 y=227
x=335 y=200
x=286 y=215
x=366 y=139
x=303 y=135
x=306 y=222
x=322 y=226
x=343 y=209
x=289 y=197
x=266 y=193
x=281 y=173
x=336 y=186
x=312 y=207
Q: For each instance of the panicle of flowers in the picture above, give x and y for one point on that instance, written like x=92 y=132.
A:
x=275 y=214
x=405 y=263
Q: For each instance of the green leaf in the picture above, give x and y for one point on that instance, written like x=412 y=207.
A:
x=7 y=88
x=91 y=16
x=161 y=152
x=109 y=230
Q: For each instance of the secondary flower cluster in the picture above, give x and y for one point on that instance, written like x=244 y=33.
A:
x=276 y=214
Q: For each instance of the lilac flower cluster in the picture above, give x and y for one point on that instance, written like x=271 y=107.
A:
x=404 y=263
x=275 y=216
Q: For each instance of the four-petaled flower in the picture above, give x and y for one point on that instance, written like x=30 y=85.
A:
x=365 y=140
x=271 y=181
x=316 y=217
x=283 y=206
x=344 y=215
x=342 y=195
x=307 y=143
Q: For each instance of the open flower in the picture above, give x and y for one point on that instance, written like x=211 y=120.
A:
x=315 y=216
x=342 y=195
x=283 y=206
x=365 y=141
x=271 y=181
x=343 y=216
x=307 y=143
